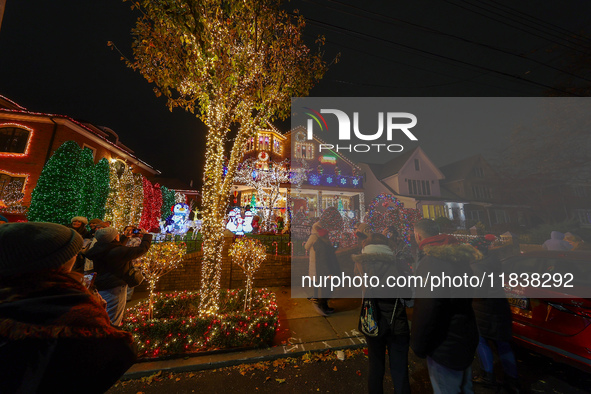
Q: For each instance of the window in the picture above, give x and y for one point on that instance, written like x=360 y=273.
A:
x=474 y=215
x=580 y=191
x=13 y=139
x=276 y=146
x=584 y=215
x=482 y=192
x=5 y=182
x=417 y=187
x=434 y=211
x=478 y=171
x=501 y=216
x=417 y=166
x=261 y=142
x=304 y=150
x=267 y=143
x=250 y=144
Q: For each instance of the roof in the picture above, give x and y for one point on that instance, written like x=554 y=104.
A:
x=393 y=166
x=9 y=107
x=460 y=169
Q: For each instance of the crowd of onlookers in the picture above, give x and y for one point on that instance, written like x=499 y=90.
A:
x=63 y=291
x=448 y=329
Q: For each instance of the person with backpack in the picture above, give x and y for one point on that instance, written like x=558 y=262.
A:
x=393 y=334
x=112 y=261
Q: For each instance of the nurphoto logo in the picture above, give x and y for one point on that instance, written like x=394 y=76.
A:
x=391 y=119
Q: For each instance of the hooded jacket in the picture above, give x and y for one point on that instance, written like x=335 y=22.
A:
x=556 y=242
x=443 y=323
x=56 y=337
x=380 y=260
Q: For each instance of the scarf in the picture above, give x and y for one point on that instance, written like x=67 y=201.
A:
x=439 y=240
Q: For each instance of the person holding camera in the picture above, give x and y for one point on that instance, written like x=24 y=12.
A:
x=112 y=260
x=55 y=335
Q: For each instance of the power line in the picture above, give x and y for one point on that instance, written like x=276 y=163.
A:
x=449 y=35
x=421 y=51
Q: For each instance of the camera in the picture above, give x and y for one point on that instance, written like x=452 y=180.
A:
x=136 y=231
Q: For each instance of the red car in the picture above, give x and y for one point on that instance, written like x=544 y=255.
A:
x=552 y=321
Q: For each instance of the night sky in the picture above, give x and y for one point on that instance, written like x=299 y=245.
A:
x=54 y=58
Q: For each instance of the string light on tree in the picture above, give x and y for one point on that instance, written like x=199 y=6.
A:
x=234 y=63
x=161 y=258
x=248 y=254
x=267 y=183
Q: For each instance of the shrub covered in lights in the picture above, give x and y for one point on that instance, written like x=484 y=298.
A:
x=178 y=328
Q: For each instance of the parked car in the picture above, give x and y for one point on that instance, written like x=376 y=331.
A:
x=553 y=321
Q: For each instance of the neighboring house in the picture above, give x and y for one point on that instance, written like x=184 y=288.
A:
x=488 y=202
x=331 y=178
x=415 y=181
x=28 y=139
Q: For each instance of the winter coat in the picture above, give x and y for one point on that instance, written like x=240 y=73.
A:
x=56 y=337
x=443 y=323
x=492 y=310
x=556 y=242
x=380 y=261
x=112 y=260
x=312 y=239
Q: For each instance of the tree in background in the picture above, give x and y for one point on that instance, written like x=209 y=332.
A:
x=237 y=63
x=56 y=196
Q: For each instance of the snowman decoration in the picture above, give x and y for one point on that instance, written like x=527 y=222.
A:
x=247 y=224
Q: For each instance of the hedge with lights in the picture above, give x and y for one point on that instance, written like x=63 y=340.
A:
x=87 y=191
x=56 y=196
x=101 y=189
x=178 y=328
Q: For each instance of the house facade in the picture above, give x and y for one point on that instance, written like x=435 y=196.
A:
x=28 y=139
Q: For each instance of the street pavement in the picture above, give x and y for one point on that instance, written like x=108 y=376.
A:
x=303 y=358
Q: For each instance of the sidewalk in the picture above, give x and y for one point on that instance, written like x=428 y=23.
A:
x=300 y=330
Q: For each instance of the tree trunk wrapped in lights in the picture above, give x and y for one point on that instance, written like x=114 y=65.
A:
x=233 y=63
x=248 y=254
x=161 y=258
x=267 y=183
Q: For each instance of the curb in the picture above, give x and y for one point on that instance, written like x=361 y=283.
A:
x=198 y=363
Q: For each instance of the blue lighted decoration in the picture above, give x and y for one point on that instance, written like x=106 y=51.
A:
x=343 y=180
x=355 y=181
x=329 y=180
x=314 y=179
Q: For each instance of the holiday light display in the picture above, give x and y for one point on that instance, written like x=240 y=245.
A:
x=331 y=219
x=86 y=164
x=161 y=258
x=398 y=216
x=137 y=200
x=100 y=182
x=177 y=327
x=266 y=182
x=221 y=58
x=168 y=201
x=12 y=197
x=56 y=196
x=248 y=254
x=152 y=204
x=179 y=197
x=178 y=223
x=114 y=206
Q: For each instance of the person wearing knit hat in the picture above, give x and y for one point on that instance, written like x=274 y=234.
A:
x=50 y=320
x=93 y=224
x=111 y=260
x=79 y=223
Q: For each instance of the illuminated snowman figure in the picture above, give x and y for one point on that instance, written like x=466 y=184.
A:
x=247 y=225
x=231 y=224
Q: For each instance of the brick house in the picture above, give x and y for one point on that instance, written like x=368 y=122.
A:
x=28 y=139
